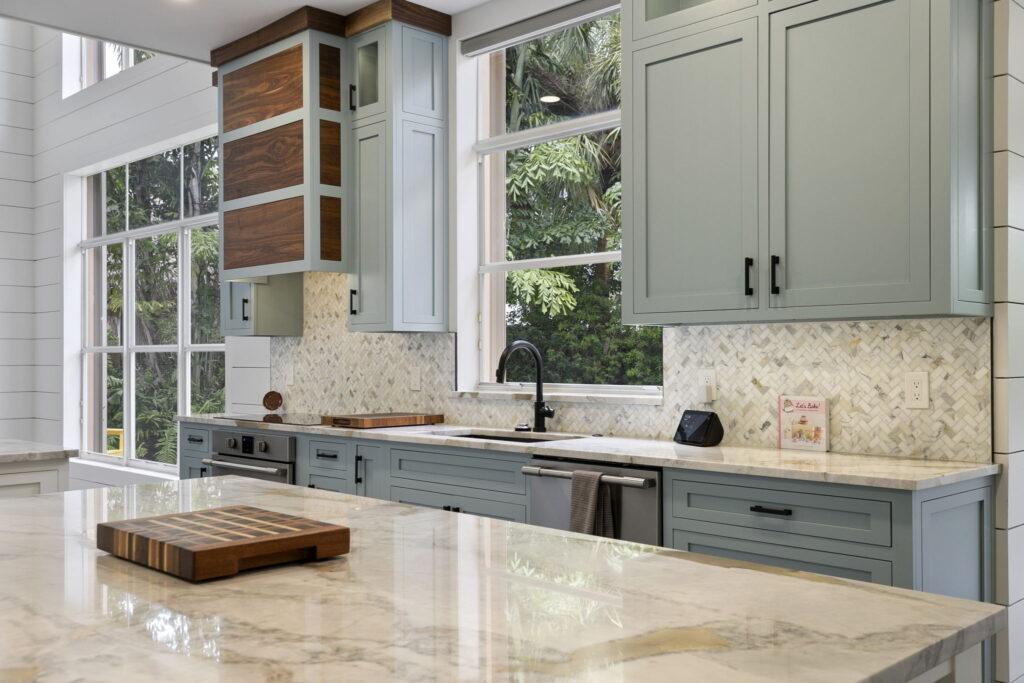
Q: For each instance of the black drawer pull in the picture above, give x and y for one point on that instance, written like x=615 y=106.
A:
x=326 y=455
x=748 y=263
x=446 y=508
x=785 y=512
x=775 y=274
x=312 y=486
x=456 y=509
x=195 y=439
x=352 y=302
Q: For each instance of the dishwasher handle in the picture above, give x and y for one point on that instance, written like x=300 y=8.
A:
x=613 y=479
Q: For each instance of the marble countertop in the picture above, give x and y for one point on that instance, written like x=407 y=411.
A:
x=909 y=474
x=432 y=595
x=17 y=450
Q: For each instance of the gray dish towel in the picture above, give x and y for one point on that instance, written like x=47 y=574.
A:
x=590 y=505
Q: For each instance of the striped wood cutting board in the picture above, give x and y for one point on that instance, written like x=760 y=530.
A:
x=219 y=542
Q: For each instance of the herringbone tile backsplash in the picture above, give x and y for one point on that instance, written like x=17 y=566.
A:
x=858 y=366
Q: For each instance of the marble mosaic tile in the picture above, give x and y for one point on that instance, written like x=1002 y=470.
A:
x=858 y=366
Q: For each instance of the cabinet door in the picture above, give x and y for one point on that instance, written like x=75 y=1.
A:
x=370 y=299
x=419 y=236
x=372 y=472
x=20 y=484
x=369 y=62
x=849 y=149
x=423 y=73
x=648 y=17
x=329 y=483
x=694 y=158
x=236 y=302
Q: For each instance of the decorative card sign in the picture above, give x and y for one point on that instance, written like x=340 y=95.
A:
x=803 y=422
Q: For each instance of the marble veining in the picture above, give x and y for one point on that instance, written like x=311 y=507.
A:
x=432 y=595
x=858 y=365
x=18 y=450
x=910 y=474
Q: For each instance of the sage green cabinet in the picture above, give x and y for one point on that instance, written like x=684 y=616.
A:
x=262 y=307
x=693 y=245
x=399 y=157
x=839 y=145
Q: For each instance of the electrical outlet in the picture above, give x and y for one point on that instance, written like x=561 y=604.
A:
x=415 y=379
x=709 y=383
x=915 y=390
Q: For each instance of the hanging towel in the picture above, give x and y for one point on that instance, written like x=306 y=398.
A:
x=590 y=505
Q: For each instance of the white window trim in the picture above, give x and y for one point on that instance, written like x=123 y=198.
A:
x=128 y=349
x=472 y=322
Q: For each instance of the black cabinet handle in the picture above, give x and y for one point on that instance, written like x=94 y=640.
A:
x=359 y=477
x=785 y=512
x=195 y=439
x=326 y=455
x=446 y=508
x=456 y=509
x=312 y=486
x=245 y=316
x=352 y=97
x=775 y=274
x=352 y=302
x=202 y=471
x=748 y=263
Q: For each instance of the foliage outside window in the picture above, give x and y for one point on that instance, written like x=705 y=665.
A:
x=87 y=61
x=153 y=346
x=553 y=229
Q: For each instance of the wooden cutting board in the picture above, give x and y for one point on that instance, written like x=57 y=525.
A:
x=219 y=542
x=377 y=420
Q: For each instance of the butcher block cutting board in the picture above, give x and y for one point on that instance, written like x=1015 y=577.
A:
x=219 y=542
x=377 y=420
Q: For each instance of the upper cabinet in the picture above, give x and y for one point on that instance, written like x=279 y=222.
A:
x=398 y=180
x=840 y=170
x=281 y=122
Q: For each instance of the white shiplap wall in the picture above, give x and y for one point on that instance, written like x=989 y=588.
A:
x=1008 y=332
x=45 y=142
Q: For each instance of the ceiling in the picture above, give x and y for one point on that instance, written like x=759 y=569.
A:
x=185 y=28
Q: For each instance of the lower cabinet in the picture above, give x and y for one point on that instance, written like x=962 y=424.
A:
x=460 y=502
x=937 y=540
x=30 y=482
x=192 y=467
x=342 y=465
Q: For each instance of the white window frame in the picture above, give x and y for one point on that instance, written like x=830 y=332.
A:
x=86 y=62
x=129 y=348
x=490 y=156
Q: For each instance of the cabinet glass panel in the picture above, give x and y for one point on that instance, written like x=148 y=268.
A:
x=367 y=74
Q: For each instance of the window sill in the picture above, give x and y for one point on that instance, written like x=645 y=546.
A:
x=90 y=470
x=515 y=392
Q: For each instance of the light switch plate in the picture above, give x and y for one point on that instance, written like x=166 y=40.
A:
x=415 y=379
x=915 y=390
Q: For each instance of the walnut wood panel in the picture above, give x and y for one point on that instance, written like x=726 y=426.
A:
x=220 y=542
x=330 y=228
x=301 y=19
x=330 y=77
x=330 y=153
x=263 y=89
x=266 y=161
x=398 y=10
x=264 y=234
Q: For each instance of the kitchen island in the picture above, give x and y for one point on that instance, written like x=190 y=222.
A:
x=426 y=594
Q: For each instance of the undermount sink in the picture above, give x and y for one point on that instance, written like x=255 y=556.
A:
x=523 y=437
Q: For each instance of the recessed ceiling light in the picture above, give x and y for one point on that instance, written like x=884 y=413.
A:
x=550 y=99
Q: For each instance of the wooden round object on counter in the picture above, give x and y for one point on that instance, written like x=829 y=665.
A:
x=272 y=400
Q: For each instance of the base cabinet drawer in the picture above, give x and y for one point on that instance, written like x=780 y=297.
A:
x=839 y=518
x=20 y=484
x=471 y=469
x=831 y=564
x=496 y=509
x=195 y=439
x=337 y=484
x=192 y=467
x=333 y=456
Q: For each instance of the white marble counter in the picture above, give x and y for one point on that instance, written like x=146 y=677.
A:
x=432 y=595
x=837 y=468
x=18 y=450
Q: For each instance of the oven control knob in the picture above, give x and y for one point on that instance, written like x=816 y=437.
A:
x=232 y=442
x=262 y=446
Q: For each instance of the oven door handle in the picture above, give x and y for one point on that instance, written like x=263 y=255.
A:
x=236 y=466
x=615 y=479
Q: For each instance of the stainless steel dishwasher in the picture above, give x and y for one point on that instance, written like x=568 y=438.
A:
x=635 y=493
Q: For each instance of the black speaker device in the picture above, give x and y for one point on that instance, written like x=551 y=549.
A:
x=699 y=428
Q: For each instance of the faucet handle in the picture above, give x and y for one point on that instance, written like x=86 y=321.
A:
x=547 y=411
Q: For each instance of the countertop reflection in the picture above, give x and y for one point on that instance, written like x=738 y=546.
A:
x=426 y=594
